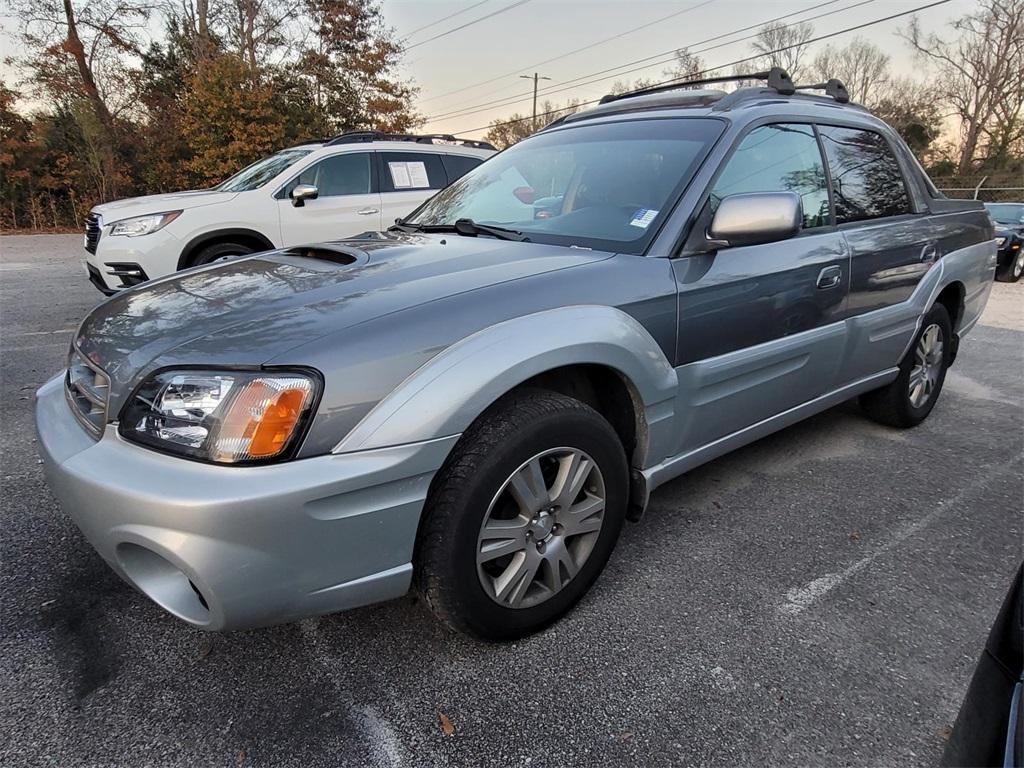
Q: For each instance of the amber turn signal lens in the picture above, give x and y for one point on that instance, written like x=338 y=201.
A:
x=262 y=418
x=277 y=424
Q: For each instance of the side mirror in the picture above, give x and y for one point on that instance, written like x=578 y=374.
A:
x=302 y=193
x=754 y=218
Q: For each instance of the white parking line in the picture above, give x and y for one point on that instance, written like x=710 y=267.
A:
x=38 y=333
x=801 y=598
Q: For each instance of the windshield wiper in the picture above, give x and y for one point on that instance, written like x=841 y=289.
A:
x=464 y=227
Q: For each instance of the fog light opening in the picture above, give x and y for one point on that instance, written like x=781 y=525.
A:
x=164 y=583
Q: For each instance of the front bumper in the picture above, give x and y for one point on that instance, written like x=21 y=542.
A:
x=238 y=547
x=122 y=262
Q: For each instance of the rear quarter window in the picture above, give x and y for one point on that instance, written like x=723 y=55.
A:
x=867 y=182
x=457 y=166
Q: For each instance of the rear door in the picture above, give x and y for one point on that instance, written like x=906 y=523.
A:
x=406 y=180
x=347 y=201
x=891 y=244
x=758 y=331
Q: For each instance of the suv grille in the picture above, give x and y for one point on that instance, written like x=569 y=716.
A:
x=93 y=227
x=86 y=388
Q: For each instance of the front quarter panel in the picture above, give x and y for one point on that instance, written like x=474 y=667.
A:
x=445 y=395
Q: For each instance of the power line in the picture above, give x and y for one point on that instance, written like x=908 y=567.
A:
x=648 y=61
x=577 y=50
x=682 y=81
x=445 y=18
x=490 y=15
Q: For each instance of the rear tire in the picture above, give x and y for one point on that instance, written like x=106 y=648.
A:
x=527 y=480
x=219 y=252
x=1011 y=273
x=908 y=400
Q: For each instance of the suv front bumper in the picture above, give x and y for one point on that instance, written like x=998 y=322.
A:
x=236 y=547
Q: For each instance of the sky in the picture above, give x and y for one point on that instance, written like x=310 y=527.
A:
x=470 y=77
x=518 y=41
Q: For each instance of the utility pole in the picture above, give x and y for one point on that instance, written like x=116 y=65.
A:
x=536 y=78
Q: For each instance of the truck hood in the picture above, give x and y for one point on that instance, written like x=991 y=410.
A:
x=250 y=310
x=174 y=201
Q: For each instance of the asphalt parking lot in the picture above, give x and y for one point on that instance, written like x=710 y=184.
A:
x=819 y=597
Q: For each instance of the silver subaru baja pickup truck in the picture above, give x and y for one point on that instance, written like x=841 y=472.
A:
x=474 y=401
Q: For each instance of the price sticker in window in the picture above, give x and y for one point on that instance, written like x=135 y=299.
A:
x=643 y=218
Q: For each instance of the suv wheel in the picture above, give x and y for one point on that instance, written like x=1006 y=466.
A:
x=1010 y=273
x=523 y=516
x=908 y=400
x=219 y=252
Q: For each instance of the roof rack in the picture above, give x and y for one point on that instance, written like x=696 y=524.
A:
x=833 y=88
x=355 y=137
x=778 y=80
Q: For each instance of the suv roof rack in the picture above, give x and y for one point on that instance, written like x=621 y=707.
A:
x=355 y=137
x=777 y=79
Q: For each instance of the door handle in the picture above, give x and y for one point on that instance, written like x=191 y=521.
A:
x=929 y=252
x=830 y=277
x=368 y=211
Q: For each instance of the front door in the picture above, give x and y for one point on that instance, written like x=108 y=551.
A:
x=347 y=202
x=758 y=325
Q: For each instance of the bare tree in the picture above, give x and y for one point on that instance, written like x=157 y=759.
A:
x=862 y=66
x=982 y=76
x=687 y=66
x=782 y=45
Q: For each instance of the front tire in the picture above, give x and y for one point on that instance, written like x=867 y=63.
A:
x=908 y=400
x=219 y=252
x=522 y=517
x=1011 y=273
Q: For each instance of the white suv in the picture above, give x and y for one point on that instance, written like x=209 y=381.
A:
x=325 y=190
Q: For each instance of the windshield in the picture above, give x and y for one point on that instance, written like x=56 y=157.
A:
x=1007 y=213
x=259 y=173
x=605 y=186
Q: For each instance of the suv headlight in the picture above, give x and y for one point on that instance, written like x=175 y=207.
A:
x=143 y=225
x=1000 y=241
x=227 y=417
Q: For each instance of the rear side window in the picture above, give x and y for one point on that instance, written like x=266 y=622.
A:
x=866 y=179
x=457 y=166
x=778 y=158
x=408 y=171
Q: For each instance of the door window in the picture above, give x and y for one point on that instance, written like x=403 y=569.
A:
x=778 y=158
x=866 y=179
x=410 y=171
x=346 y=174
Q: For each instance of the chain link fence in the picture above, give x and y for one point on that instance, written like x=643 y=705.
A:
x=991 y=188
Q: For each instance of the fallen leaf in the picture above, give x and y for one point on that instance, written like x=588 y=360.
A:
x=240 y=760
x=627 y=736
x=855 y=536
x=447 y=726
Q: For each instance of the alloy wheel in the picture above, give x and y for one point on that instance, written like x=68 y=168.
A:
x=541 y=527
x=928 y=362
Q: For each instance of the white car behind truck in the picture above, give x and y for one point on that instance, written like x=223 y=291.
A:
x=324 y=190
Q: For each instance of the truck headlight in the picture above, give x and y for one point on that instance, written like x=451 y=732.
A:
x=227 y=417
x=143 y=225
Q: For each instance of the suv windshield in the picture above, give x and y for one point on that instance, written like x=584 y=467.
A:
x=262 y=171
x=603 y=186
x=1007 y=213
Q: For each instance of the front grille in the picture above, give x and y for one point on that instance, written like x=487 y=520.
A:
x=93 y=227
x=87 y=388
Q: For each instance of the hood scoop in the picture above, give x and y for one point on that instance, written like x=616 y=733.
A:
x=332 y=252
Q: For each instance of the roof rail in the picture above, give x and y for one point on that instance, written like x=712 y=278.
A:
x=355 y=137
x=778 y=80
